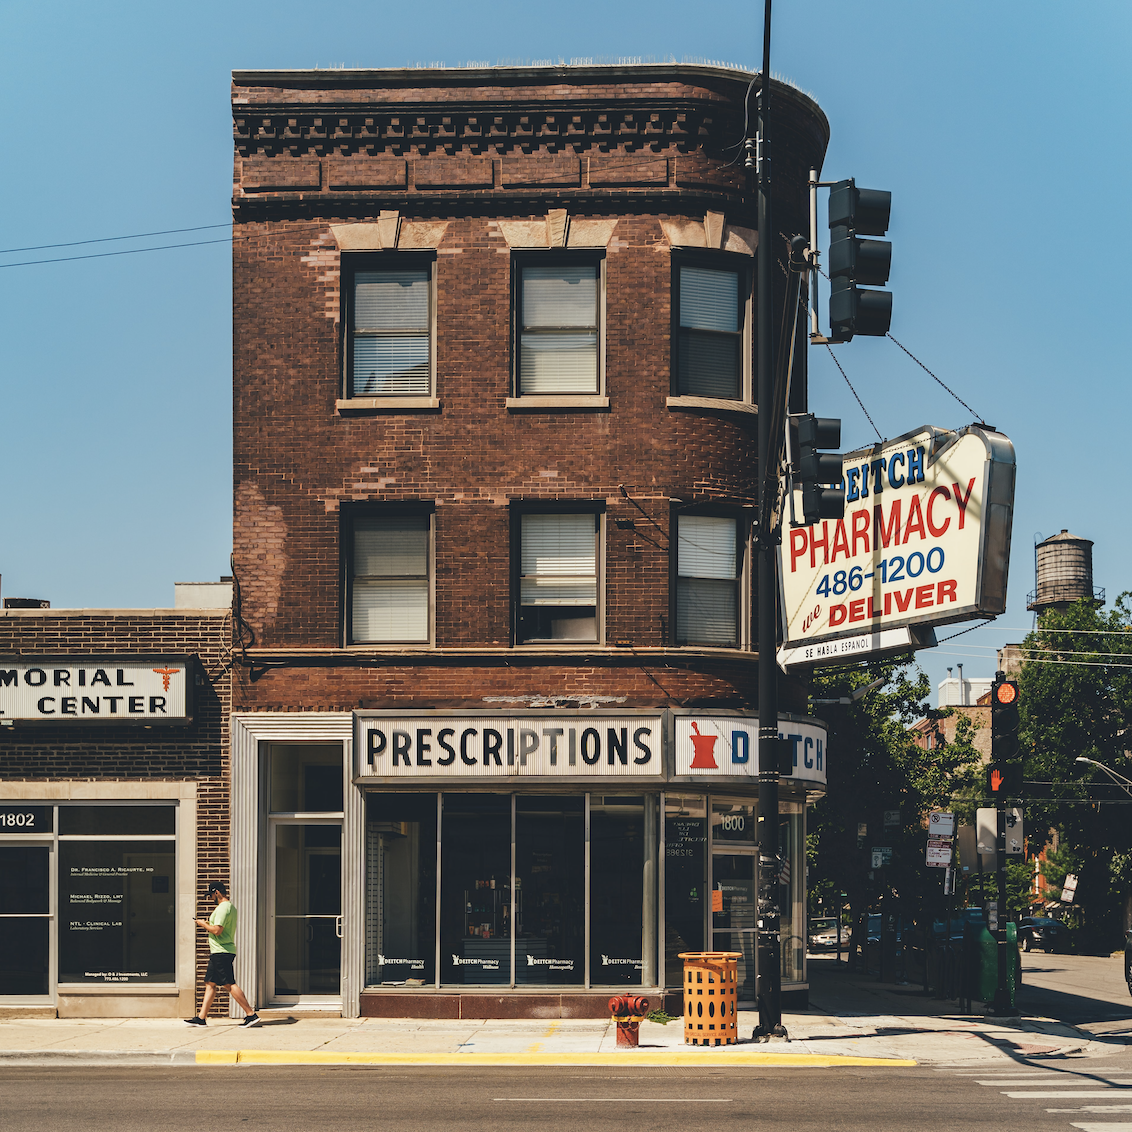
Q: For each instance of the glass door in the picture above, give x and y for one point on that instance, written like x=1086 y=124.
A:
x=307 y=913
x=734 y=896
x=25 y=921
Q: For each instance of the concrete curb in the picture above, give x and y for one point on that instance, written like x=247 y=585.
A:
x=80 y=1057
x=682 y=1058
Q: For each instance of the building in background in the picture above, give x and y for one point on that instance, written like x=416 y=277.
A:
x=494 y=732
x=962 y=697
x=113 y=803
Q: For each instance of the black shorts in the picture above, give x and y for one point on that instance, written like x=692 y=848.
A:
x=221 y=969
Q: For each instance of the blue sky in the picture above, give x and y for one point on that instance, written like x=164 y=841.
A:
x=1000 y=128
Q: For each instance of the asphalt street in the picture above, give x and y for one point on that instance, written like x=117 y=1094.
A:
x=1084 y=990
x=1068 y=1094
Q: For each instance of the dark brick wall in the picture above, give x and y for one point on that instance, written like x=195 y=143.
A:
x=639 y=146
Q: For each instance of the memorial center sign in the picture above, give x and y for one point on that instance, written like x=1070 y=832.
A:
x=925 y=540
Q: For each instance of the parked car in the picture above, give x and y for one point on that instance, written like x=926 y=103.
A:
x=1128 y=960
x=823 y=934
x=1041 y=931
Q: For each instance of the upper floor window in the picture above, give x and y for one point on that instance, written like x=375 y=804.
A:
x=710 y=306
x=558 y=577
x=707 y=582
x=389 y=326
x=558 y=323
x=389 y=568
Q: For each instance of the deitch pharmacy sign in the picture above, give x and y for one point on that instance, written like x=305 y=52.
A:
x=925 y=540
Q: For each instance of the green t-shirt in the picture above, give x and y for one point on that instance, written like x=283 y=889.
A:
x=224 y=914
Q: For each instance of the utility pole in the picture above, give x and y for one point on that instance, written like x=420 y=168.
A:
x=768 y=988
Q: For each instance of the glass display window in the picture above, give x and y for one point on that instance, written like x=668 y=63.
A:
x=550 y=880
x=401 y=889
x=685 y=880
x=475 y=889
x=620 y=902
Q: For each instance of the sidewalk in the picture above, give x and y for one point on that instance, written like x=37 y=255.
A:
x=852 y=1021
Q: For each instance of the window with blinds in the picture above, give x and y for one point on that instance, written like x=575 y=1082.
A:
x=390 y=333
x=558 y=328
x=558 y=577
x=709 y=332
x=389 y=582
x=707 y=587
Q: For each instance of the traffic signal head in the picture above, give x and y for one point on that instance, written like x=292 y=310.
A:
x=855 y=263
x=1004 y=780
x=1004 y=720
x=818 y=471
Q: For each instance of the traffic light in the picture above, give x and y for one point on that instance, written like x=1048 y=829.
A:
x=1004 y=780
x=1004 y=720
x=855 y=263
x=818 y=471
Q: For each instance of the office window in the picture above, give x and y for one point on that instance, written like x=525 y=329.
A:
x=389 y=579
x=558 y=314
x=709 y=354
x=558 y=577
x=389 y=321
x=707 y=583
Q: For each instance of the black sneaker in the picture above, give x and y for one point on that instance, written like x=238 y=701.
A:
x=195 y=1022
x=250 y=1020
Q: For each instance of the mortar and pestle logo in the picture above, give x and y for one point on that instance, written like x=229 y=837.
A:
x=703 y=745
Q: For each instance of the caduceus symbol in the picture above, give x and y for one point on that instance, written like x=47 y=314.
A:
x=165 y=673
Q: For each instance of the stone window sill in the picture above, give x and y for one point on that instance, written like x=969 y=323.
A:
x=558 y=401
x=385 y=404
x=715 y=403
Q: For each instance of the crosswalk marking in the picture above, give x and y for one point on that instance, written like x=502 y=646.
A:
x=1078 y=1084
x=1061 y=1094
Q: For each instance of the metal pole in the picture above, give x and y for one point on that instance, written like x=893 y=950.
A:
x=768 y=989
x=1001 y=994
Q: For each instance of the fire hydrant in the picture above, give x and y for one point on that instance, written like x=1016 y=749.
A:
x=628 y=1011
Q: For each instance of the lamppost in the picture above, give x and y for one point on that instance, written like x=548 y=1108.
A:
x=1125 y=784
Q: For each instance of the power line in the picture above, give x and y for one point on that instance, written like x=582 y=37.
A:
x=854 y=392
x=162 y=247
x=110 y=239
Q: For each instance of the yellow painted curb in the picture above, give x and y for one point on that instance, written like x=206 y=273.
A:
x=642 y=1057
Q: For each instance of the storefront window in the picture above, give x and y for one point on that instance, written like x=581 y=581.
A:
x=25 y=907
x=792 y=889
x=475 y=901
x=401 y=889
x=621 y=903
x=117 y=919
x=550 y=890
x=306 y=778
x=685 y=858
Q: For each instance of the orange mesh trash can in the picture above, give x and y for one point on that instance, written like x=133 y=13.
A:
x=711 y=997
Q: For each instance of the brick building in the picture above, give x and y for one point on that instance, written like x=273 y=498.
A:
x=113 y=803
x=494 y=730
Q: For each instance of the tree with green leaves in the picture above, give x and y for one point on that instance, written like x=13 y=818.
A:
x=1076 y=702
x=876 y=766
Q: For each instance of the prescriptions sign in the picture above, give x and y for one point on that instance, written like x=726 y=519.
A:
x=925 y=538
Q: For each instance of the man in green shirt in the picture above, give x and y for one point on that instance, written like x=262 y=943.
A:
x=221 y=928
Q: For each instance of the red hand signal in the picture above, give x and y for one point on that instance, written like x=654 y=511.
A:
x=995 y=781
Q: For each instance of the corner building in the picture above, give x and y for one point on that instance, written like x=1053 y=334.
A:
x=494 y=742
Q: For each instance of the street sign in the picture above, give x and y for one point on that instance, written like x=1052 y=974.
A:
x=1015 y=839
x=891 y=818
x=1069 y=888
x=986 y=826
x=941 y=824
x=878 y=859
x=939 y=852
x=885 y=852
